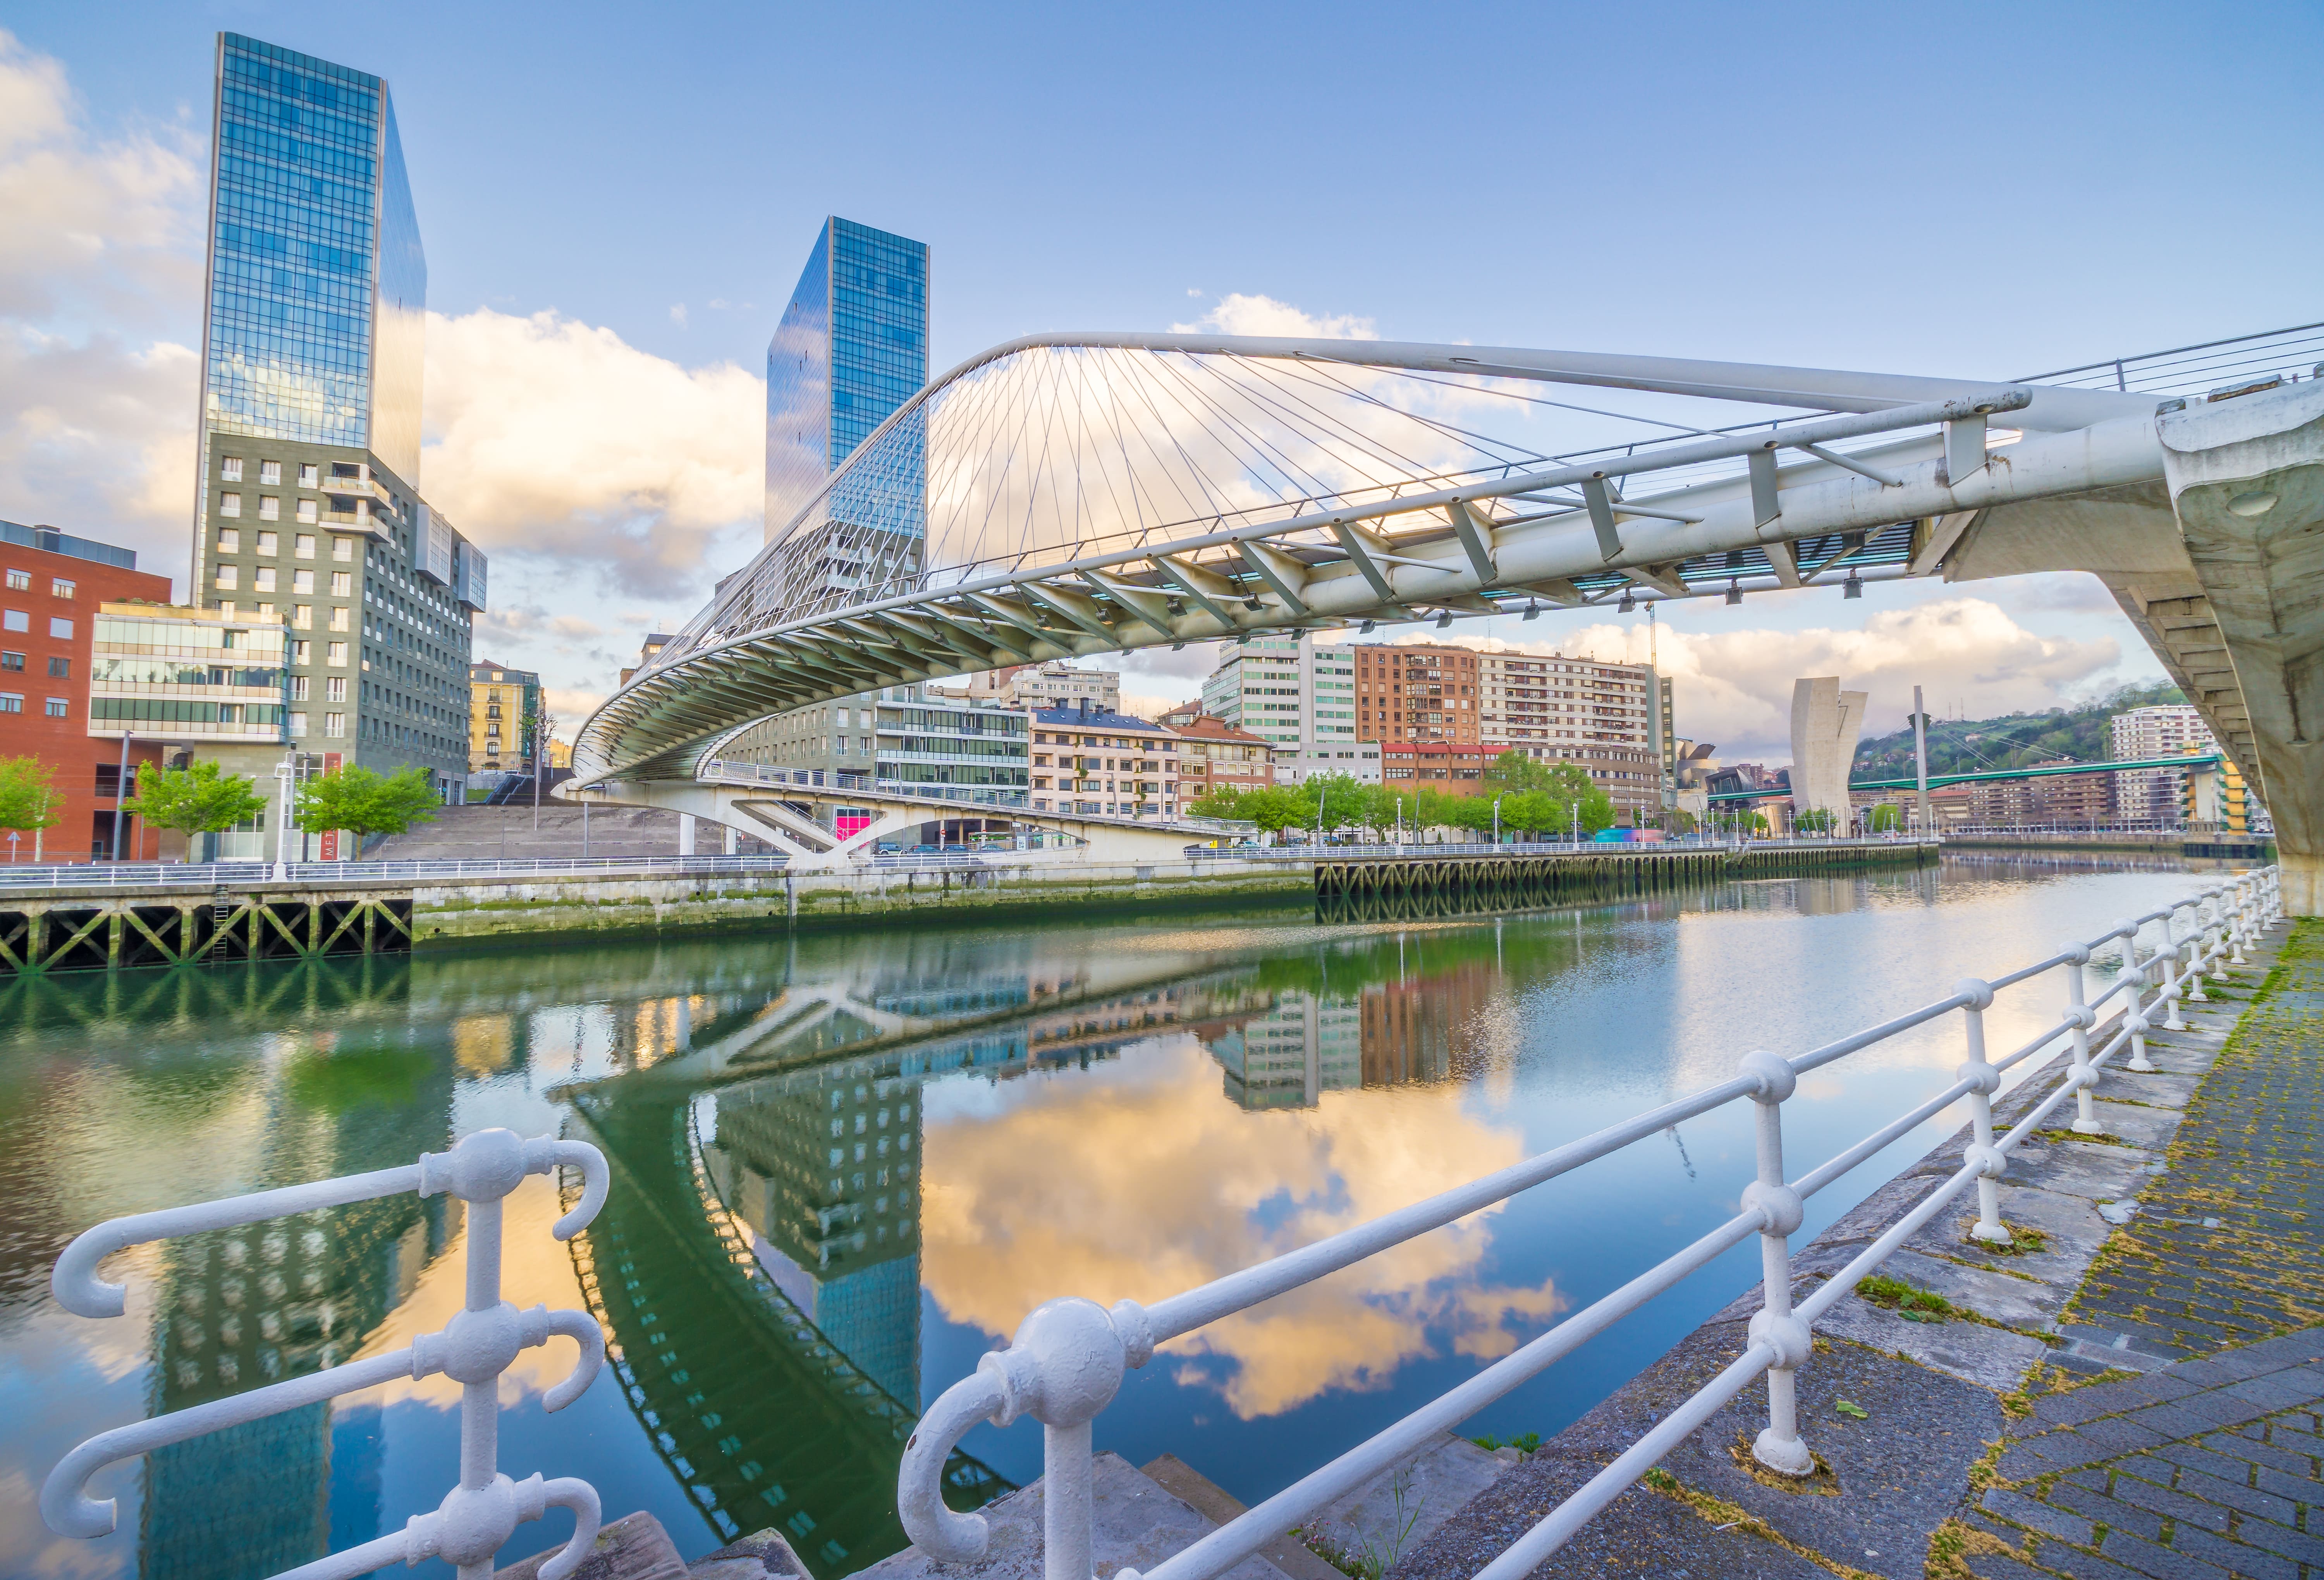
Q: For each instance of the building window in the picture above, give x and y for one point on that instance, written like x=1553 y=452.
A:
x=340 y=618
x=270 y=472
x=230 y=469
x=335 y=689
x=343 y=548
x=334 y=723
x=269 y=508
x=263 y=581
x=298 y=726
x=60 y=629
x=306 y=512
x=60 y=669
x=59 y=588
x=335 y=654
x=229 y=504
x=12 y=661
x=302 y=616
x=20 y=581
x=12 y=702
x=56 y=708
x=300 y=652
x=302 y=581
x=307 y=478
x=342 y=584
x=229 y=577
x=303 y=546
x=299 y=683
x=270 y=542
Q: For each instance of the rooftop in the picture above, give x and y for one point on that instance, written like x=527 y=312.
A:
x=65 y=543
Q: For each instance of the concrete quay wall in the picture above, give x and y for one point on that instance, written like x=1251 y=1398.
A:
x=471 y=910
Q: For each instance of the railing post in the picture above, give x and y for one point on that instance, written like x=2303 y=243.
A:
x=1983 y=1081
x=2166 y=956
x=2239 y=914
x=2198 y=947
x=2081 y=1019
x=1778 y=1447
x=2135 y=1010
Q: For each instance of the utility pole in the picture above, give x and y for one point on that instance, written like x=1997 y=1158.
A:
x=1921 y=759
x=283 y=775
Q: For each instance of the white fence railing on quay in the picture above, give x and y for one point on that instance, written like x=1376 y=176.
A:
x=1409 y=850
x=477 y=1516
x=94 y=876
x=1066 y=1360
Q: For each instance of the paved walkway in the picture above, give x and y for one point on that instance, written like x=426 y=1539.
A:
x=2132 y=1390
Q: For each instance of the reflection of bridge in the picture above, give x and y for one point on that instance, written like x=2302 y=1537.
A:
x=1067 y=496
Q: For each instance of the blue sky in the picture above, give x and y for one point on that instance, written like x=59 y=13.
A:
x=1980 y=190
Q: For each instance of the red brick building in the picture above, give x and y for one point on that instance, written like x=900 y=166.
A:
x=1214 y=754
x=53 y=584
x=1415 y=690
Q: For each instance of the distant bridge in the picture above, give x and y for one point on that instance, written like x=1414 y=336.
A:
x=1069 y=496
x=1989 y=776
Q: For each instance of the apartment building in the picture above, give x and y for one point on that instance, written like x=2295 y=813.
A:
x=903 y=739
x=2066 y=799
x=1046 y=685
x=1287 y=690
x=1098 y=762
x=503 y=714
x=1418 y=691
x=56 y=583
x=2157 y=795
x=1214 y=754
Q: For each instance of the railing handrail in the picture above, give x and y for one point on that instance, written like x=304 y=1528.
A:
x=480 y=1342
x=1066 y=1360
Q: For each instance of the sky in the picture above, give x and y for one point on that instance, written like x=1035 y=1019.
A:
x=615 y=204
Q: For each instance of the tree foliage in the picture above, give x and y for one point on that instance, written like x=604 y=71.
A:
x=2016 y=741
x=1816 y=819
x=1536 y=798
x=364 y=803
x=196 y=799
x=29 y=797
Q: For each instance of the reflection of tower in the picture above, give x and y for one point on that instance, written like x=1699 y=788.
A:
x=825 y=1170
x=241 y=1308
x=1293 y=1053
x=1410 y=1026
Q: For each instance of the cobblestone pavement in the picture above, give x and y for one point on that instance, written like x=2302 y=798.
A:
x=2207 y=1466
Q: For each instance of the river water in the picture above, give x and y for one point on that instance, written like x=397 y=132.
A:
x=847 y=1164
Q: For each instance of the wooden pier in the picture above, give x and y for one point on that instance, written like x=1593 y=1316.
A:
x=68 y=931
x=1362 y=889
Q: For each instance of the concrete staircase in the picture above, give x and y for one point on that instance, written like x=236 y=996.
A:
x=492 y=833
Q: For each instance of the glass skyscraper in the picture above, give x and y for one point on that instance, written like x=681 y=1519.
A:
x=851 y=347
x=308 y=516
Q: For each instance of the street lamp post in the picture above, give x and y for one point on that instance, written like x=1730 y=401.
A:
x=1497 y=821
x=283 y=773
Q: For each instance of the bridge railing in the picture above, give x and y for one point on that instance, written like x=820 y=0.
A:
x=477 y=1516
x=1066 y=1360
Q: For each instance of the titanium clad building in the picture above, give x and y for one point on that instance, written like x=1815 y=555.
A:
x=852 y=346
x=308 y=513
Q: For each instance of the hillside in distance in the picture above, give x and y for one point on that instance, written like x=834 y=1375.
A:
x=2017 y=740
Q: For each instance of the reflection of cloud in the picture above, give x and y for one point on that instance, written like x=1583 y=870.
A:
x=1144 y=1183
x=535 y=1267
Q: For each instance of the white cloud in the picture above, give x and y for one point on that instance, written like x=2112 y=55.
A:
x=678 y=314
x=1237 y=313
x=95 y=424
x=551 y=438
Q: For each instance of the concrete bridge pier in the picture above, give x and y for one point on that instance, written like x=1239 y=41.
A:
x=2246 y=478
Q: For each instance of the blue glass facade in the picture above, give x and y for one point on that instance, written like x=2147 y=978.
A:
x=852 y=346
x=318 y=281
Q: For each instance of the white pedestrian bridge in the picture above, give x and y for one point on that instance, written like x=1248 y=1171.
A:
x=1064 y=496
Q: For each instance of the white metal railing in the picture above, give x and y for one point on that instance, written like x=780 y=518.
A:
x=93 y=876
x=479 y=1342
x=1066 y=1360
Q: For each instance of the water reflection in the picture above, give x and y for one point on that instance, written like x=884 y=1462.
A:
x=847 y=1165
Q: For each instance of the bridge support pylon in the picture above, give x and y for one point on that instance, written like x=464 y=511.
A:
x=2246 y=479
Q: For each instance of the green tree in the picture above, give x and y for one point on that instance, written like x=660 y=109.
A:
x=1273 y=808
x=1218 y=801
x=1816 y=819
x=1887 y=817
x=364 y=803
x=194 y=800
x=28 y=798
